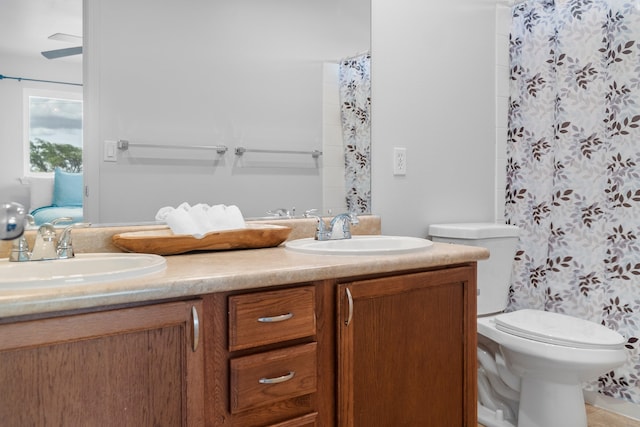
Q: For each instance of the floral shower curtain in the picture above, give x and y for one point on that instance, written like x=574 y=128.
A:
x=573 y=174
x=355 y=109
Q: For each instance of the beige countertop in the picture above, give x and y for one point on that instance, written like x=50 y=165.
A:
x=209 y=272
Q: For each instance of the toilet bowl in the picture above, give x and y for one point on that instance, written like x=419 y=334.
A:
x=531 y=363
x=553 y=355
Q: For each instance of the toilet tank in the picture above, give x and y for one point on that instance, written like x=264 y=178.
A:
x=494 y=274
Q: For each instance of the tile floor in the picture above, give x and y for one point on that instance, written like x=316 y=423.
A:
x=597 y=417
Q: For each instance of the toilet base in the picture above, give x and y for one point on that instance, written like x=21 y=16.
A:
x=547 y=404
x=489 y=418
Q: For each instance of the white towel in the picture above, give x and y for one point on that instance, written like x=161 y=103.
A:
x=217 y=215
x=181 y=222
x=201 y=218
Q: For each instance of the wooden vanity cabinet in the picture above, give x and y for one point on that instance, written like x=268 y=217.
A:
x=406 y=350
x=140 y=366
x=392 y=350
x=262 y=358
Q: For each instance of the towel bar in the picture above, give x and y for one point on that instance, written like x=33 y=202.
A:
x=241 y=150
x=124 y=145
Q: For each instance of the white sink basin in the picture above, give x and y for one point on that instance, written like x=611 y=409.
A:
x=360 y=245
x=83 y=269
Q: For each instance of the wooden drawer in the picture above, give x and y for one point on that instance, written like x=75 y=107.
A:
x=308 y=420
x=268 y=317
x=268 y=377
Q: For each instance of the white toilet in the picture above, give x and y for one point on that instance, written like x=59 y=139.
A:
x=531 y=363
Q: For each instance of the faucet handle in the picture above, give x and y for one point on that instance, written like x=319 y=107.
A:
x=354 y=218
x=61 y=219
x=321 y=232
x=65 y=246
x=20 y=250
x=20 y=247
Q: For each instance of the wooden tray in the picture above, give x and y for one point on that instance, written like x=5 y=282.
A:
x=164 y=242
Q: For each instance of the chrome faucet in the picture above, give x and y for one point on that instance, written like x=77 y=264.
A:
x=346 y=220
x=12 y=218
x=46 y=246
x=339 y=227
x=282 y=213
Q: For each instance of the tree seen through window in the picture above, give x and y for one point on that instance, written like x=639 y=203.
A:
x=55 y=134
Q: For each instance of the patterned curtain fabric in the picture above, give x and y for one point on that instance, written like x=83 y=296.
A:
x=355 y=106
x=573 y=168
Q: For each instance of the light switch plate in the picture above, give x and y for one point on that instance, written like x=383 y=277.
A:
x=110 y=151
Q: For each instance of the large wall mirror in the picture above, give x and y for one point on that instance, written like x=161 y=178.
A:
x=235 y=73
x=250 y=74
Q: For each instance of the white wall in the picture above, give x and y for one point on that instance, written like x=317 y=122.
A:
x=212 y=73
x=333 y=170
x=433 y=92
x=12 y=138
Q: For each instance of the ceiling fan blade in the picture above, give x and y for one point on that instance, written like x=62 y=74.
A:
x=64 y=37
x=60 y=53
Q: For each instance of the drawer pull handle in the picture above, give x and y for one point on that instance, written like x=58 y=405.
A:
x=277 y=380
x=274 y=319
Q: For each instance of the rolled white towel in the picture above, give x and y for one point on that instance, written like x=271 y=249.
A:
x=218 y=217
x=201 y=218
x=236 y=220
x=184 y=206
x=180 y=222
x=164 y=212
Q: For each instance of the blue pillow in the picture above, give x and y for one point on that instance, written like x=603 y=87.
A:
x=67 y=188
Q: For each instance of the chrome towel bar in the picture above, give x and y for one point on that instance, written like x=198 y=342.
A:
x=124 y=145
x=241 y=150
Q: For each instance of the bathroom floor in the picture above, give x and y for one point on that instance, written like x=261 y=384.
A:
x=597 y=417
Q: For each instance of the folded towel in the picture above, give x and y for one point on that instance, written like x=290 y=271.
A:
x=201 y=218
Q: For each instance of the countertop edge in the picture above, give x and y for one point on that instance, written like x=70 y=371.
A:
x=197 y=274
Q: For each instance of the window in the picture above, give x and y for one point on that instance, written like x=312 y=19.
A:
x=53 y=131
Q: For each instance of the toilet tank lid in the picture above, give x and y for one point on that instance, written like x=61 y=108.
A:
x=475 y=230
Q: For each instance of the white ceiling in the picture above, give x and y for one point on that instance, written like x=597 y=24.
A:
x=25 y=26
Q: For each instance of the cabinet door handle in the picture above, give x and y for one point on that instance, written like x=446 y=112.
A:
x=350 y=302
x=196 y=328
x=274 y=319
x=277 y=380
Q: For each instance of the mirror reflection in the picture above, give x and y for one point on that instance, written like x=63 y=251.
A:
x=41 y=104
x=235 y=74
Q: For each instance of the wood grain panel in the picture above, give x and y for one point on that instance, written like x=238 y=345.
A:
x=245 y=331
x=403 y=358
x=299 y=361
x=121 y=367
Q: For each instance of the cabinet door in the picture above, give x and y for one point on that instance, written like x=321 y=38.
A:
x=407 y=350
x=138 y=366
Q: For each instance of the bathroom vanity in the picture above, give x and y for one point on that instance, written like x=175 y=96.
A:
x=264 y=337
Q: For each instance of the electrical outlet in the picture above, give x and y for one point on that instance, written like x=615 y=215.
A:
x=399 y=161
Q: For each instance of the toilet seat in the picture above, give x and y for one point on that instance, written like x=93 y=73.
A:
x=558 y=329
